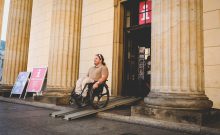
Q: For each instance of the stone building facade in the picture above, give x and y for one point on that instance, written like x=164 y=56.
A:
x=64 y=35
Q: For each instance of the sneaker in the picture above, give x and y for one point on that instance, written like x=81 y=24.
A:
x=76 y=96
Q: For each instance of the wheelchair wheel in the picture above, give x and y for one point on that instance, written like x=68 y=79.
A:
x=99 y=98
x=81 y=101
x=71 y=99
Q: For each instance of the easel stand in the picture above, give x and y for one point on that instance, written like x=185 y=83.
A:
x=15 y=94
x=34 y=93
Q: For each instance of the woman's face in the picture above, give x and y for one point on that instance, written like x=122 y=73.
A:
x=97 y=61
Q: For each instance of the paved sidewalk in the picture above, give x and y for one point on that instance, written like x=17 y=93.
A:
x=19 y=119
x=210 y=129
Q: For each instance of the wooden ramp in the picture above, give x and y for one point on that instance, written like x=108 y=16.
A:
x=75 y=112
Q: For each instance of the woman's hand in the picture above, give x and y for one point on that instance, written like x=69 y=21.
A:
x=95 y=86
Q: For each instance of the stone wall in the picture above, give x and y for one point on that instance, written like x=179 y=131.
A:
x=211 y=26
x=97 y=34
x=40 y=33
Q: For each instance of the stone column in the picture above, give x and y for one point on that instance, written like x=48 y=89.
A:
x=17 y=40
x=117 y=48
x=63 y=64
x=2 y=2
x=177 y=61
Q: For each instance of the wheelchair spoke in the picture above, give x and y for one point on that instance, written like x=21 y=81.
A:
x=100 y=97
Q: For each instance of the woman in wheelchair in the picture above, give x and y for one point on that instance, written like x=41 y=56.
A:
x=92 y=89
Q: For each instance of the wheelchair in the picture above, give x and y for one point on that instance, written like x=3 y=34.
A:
x=97 y=98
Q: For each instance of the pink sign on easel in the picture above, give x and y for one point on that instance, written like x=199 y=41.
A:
x=37 y=80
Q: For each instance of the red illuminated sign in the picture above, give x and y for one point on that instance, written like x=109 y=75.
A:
x=145 y=12
x=37 y=79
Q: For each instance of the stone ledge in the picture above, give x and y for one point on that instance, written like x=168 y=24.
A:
x=33 y=103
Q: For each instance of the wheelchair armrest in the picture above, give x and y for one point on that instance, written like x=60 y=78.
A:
x=101 y=85
x=103 y=82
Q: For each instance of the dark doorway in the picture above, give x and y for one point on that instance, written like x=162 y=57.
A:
x=137 y=44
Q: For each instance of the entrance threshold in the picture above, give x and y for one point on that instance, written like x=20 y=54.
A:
x=75 y=112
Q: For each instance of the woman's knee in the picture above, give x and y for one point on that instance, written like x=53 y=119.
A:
x=87 y=80
x=80 y=80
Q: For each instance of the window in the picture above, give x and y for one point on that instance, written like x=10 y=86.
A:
x=137 y=13
x=144 y=12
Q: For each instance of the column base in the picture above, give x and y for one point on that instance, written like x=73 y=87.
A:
x=182 y=108
x=57 y=92
x=178 y=101
x=53 y=100
x=5 y=90
x=54 y=96
x=174 y=115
